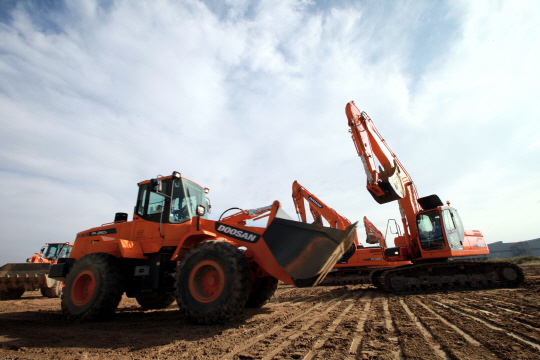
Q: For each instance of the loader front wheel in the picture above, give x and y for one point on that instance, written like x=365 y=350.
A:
x=54 y=291
x=159 y=302
x=93 y=288
x=213 y=282
x=263 y=290
x=12 y=294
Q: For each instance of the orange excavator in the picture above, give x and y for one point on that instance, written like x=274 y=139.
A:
x=172 y=251
x=433 y=232
x=357 y=264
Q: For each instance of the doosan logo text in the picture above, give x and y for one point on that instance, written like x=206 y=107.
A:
x=315 y=202
x=237 y=233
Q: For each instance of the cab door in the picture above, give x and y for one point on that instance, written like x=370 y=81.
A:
x=149 y=213
x=455 y=241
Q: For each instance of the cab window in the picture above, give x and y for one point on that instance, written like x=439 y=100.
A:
x=141 y=199
x=186 y=195
x=430 y=231
x=448 y=221
x=457 y=222
x=51 y=253
x=156 y=203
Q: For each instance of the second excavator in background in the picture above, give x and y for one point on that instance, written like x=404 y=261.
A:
x=433 y=232
x=357 y=264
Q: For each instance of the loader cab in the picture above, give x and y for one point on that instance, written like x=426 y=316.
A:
x=55 y=251
x=172 y=200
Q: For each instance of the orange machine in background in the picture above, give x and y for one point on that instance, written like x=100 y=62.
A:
x=171 y=251
x=433 y=232
x=356 y=265
x=16 y=278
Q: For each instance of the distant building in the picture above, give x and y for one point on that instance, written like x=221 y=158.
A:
x=522 y=248
x=501 y=250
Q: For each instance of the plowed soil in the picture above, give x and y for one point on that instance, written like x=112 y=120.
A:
x=339 y=322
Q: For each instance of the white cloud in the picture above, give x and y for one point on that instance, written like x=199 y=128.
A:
x=245 y=98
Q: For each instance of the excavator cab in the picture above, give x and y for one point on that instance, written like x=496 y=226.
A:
x=438 y=225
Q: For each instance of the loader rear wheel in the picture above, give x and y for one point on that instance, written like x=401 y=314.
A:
x=159 y=302
x=263 y=290
x=12 y=294
x=93 y=288
x=213 y=282
x=54 y=291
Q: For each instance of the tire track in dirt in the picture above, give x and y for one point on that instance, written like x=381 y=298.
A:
x=456 y=343
x=358 y=333
x=511 y=322
x=380 y=338
x=497 y=340
x=334 y=343
x=510 y=300
x=271 y=340
x=328 y=332
x=494 y=321
x=415 y=339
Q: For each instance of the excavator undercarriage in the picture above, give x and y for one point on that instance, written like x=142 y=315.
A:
x=450 y=275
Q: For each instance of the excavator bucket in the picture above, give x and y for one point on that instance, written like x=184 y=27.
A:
x=306 y=252
x=391 y=183
x=373 y=235
x=28 y=276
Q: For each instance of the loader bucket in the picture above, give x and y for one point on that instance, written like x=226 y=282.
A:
x=391 y=183
x=28 y=276
x=307 y=252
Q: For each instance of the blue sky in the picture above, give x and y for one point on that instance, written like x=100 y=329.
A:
x=246 y=97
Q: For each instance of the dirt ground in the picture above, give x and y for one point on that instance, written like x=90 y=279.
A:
x=341 y=322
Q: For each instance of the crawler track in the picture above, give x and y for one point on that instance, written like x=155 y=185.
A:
x=458 y=275
x=333 y=322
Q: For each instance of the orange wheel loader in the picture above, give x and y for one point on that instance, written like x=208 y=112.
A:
x=16 y=278
x=433 y=237
x=172 y=251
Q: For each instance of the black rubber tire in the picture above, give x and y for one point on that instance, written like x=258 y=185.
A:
x=12 y=294
x=108 y=289
x=236 y=283
x=55 y=291
x=160 y=302
x=262 y=291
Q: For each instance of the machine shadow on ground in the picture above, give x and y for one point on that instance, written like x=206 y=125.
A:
x=134 y=329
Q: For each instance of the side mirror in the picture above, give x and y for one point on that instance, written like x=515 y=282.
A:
x=155 y=185
x=42 y=250
x=200 y=210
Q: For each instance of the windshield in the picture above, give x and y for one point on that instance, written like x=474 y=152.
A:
x=186 y=196
x=430 y=231
x=52 y=251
